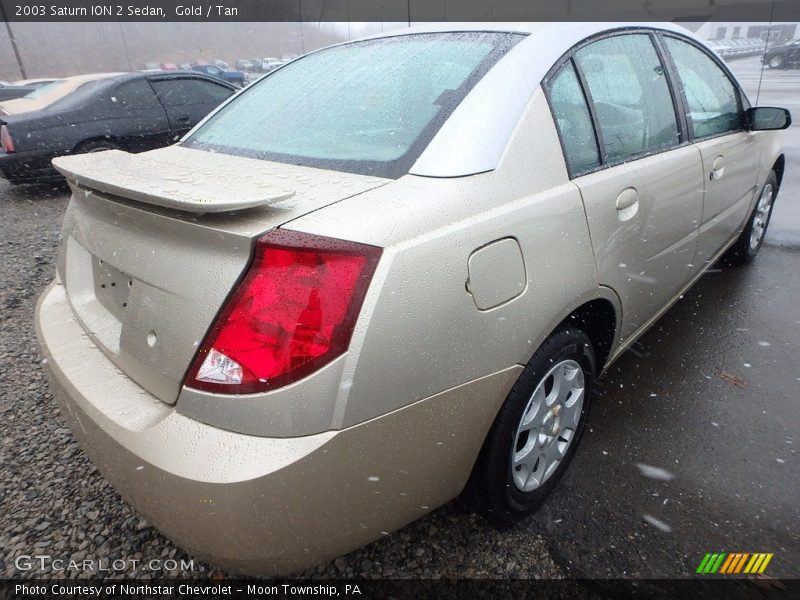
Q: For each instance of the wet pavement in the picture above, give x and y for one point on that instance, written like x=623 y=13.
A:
x=709 y=397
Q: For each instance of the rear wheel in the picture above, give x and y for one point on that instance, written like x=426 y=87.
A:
x=752 y=237
x=95 y=146
x=537 y=429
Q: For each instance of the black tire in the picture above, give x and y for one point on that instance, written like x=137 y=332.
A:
x=95 y=146
x=775 y=61
x=742 y=251
x=491 y=488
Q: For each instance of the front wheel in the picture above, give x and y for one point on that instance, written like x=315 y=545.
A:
x=775 y=62
x=536 y=430
x=750 y=240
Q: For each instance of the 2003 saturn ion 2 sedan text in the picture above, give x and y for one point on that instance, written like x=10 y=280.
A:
x=388 y=273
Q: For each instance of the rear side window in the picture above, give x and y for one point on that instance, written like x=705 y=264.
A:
x=632 y=100
x=376 y=104
x=180 y=92
x=573 y=120
x=713 y=106
x=135 y=94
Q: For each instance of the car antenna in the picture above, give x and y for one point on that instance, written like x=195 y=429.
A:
x=766 y=47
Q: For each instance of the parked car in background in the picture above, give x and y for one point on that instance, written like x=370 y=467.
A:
x=221 y=64
x=36 y=83
x=784 y=56
x=132 y=112
x=167 y=66
x=246 y=65
x=404 y=309
x=151 y=66
x=270 y=64
x=185 y=66
x=44 y=96
x=737 y=47
x=235 y=77
x=12 y=92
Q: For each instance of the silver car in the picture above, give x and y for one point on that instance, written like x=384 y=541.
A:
x=389 y=272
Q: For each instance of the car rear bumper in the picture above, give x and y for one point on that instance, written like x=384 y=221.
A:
x=263 y=505
x=27 y=167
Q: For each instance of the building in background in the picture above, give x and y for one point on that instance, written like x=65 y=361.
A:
x=772 y=33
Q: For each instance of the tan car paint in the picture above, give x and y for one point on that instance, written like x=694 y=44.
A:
x=177 y=177
x=730 y=166
x=647 y=255
x=261 y=505
x=156 y=336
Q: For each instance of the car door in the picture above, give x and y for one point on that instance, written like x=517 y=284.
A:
x=188 y=99
x=641 y=183
x=142 y=122
x=730 y=155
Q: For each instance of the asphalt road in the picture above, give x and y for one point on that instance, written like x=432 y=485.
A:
x=726 y=474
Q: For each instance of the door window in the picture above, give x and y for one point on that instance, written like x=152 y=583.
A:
x=713 y=105
x=573 y=120
x=180 y=92
x=628 y=86
x=135 y=94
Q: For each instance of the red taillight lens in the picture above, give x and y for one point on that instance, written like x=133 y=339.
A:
x=6 y=141
x=293 y=312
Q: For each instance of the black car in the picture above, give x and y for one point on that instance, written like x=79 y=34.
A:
x=781 y=57
x=132 y=112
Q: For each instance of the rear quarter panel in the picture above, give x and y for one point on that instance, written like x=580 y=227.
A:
x=420 y=331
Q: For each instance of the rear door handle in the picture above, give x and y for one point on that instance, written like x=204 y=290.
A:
x=627 y=204
x=184 y=119
x=718 y=169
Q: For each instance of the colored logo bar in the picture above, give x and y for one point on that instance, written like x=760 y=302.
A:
x=727 y=563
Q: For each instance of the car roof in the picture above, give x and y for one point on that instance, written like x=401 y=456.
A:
x=475 y=136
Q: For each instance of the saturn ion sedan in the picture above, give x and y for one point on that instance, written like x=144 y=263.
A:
x=388 y=273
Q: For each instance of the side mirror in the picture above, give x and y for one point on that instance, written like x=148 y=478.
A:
x=766 y=118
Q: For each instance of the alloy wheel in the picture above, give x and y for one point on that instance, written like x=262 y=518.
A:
x=548 y=425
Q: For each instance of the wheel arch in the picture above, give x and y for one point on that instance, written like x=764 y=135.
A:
x=96 y=138
x=779 y=166
x=598 y=319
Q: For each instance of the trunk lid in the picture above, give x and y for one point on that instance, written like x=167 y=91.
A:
x=154 y=243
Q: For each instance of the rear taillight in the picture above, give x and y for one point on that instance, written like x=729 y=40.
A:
x=293 y=312
x=6 y=141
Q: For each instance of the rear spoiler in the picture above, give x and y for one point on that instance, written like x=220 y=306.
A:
x=176 y=177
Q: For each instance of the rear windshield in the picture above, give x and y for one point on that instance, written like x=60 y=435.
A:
x=44 y=89
x=78 y=97
x=368 y=107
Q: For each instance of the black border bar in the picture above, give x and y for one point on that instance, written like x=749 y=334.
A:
x=411 y=11
x=400 y=589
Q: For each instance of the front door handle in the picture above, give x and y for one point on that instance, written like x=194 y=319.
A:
x=718 y=169
x=183 y=119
